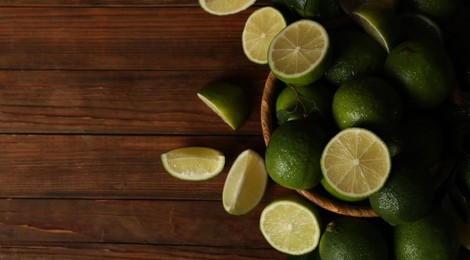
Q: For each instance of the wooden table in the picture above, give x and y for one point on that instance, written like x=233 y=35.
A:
x=91 y=93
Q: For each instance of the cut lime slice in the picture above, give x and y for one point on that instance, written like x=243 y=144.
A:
x=355 y=163
x=299 y=54
x=193 y=163
x=227 y=100
x=245 y=183
x=291 y=225
x=225 y=7
x=260 y=28
x=380 y=22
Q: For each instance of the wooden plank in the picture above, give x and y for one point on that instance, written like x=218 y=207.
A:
x=114 y=3
x=101 y=38
x=80 y=251
x=148 y=222
x=81 y=166
x=120 y=102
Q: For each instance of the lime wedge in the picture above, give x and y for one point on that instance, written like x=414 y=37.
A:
x=355 y=163
x=380 y=22
x=245 y=183
x=193 y=163
x=260 y=28
x=225 y=7
x=299 y=54
x=291 y=225
x=227 y=100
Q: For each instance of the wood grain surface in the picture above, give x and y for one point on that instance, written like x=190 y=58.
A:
x=91 y=93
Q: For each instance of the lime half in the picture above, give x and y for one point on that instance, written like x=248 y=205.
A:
x=245 y=183
x=225 y=7
x=193 y=163
x=355 y=163
x=260 y=29
x=299 y=53
x=227 y=100
x=291 y=226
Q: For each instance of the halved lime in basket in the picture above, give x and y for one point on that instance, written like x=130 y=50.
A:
x=355 y=163
x=299 y=54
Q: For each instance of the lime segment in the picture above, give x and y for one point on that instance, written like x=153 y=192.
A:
x=245 y=183
x=355 y=163
x=193 y=163
x=380 y=22
x=290 y=226
x=299 y=53
x=225 y=7
x=227 y=100
x=260 y=28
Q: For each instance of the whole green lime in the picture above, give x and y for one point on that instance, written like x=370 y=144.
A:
x=354 y=239
x=355 y=54
x=406 y=196
x=439 y=9
x=293 y=154
x=296 y=102
x=423 y=71
x=433 y=237
x=368 y=102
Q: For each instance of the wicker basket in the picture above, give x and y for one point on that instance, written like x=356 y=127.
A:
x=318 y=195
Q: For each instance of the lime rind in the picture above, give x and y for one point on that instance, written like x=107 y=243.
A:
x=193 y=163
x=260 y=28
x=245 y=184
x=225 y=7
x=351 y=161
x=285 y=61
x=291 y=227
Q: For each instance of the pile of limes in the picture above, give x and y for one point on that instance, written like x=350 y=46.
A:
x=371 y=107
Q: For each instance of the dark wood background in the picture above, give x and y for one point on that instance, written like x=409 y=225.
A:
x=91 y=93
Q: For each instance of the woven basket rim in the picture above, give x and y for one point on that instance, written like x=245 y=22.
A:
x=317 y=195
